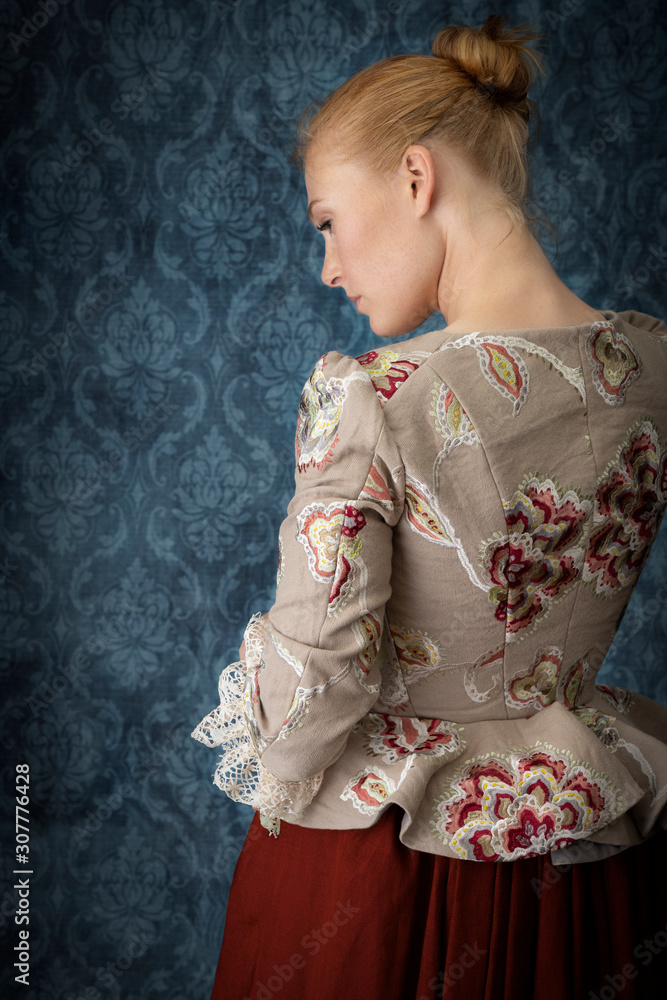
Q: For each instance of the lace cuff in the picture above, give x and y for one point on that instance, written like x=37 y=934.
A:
x=240 y=772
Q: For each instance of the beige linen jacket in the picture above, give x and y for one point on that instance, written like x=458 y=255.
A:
x=470 y=519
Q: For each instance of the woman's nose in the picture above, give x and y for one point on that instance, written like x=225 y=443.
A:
x=331 y=268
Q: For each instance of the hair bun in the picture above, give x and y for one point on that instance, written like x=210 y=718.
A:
x=494 y=58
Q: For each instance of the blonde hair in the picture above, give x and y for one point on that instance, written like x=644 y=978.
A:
x=471 y=95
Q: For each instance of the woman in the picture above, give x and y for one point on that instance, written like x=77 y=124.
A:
x=465 y=813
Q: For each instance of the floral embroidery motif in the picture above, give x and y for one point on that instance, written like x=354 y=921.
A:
x=629 y=503
x=368 y=790
x=547 y=682
x=601 y=725
x=541 y=556
x=388 y=370
x=451 y=419
x=320 y=409
x=619 y=699
x=505 y=806
x=417 y=653
x=330 y=536
x=396 y=738
x=368 y=633
x=614 y=362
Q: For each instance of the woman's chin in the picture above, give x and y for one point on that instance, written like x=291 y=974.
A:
x=389 y=329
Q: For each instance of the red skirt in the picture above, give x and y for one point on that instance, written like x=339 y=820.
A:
x=337 y=914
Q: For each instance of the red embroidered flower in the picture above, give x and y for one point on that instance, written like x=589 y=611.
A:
x=368 y=790
x=614 y=362
x=387 y=370
x=540 y=557
x=509 y=807
x=547 y=681
x=395 y=737
x=629 y=503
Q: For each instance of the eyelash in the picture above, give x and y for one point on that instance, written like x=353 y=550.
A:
x=324 y=226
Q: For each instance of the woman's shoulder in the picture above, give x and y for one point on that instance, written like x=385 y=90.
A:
x=652 y=325
x=386 y=367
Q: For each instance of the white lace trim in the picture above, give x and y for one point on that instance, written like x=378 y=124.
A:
x=240 y=772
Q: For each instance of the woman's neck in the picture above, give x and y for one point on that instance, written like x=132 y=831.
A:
x=497 y=277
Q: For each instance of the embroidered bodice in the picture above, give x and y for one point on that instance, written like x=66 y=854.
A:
x=471 y=516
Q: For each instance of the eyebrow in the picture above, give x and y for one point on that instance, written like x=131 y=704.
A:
x=310 y=207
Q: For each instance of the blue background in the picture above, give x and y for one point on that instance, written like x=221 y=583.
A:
x=147 y=447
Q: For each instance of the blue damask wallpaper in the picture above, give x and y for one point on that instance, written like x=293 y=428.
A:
x=160 y=310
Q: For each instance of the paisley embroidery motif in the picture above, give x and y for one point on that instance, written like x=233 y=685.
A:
x=376 y=488
x=533 y=566
x=388 y=369
x=368 y=790
x=614 y=362
x=619 y=699
x=601 y=725
x=629 y=503
x=417 y=653
x=504 y=369
x=547 y=682
x=451 y=419
x=424 y=515
x=506 y=372
x=319 y=533
x=471 y=675
x=395 y=738
x=330 y=536
x=506 y=806
x=393 y=696
x=368 y=634
x=320 y=409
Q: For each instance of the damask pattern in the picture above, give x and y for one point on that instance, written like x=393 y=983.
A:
x=160 y=311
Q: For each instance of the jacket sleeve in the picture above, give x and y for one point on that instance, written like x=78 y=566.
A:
x=311 y=671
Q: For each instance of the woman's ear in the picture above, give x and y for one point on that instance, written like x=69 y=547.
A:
x=418 y=171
